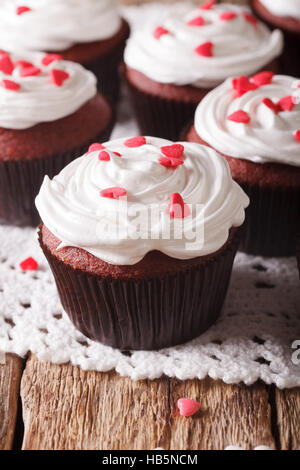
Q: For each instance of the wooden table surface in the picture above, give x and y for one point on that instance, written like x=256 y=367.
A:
x=60 y=407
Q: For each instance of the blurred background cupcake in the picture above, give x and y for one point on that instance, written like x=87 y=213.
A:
x=255 y=125
x=50 y=112
x=141 y=238
x=90 y=32
x=283 y=14
x=173 y=60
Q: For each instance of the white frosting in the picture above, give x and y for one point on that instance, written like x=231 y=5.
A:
x=285 y=8
x=239 y=47
x=38 y=99
x=71 y=207
x=269 y=137
x=55 y=25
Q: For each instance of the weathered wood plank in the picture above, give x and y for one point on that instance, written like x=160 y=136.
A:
x=10 y=377
x=67 y=408
x=288 y=417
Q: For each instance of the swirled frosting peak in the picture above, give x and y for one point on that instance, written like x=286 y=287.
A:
x=55 y=25
x=202 y=46
x=284 y=8
x=36 y=88
x=256 y=119
x=128 y=197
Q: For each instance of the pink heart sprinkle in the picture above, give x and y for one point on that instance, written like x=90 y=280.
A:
x=95 y=147
x=286 y=103
x=173 y=151
x=228 y=15
x=239 y=116
x=205 y=49
x=160 y=31
x=29 y=264
x=113 y=193
x=135 y=142
x=297 y=135
x=250 y=18
x=198 y=21
x=30 y=71
x=104 y=156
x=262 y=78
x=170 y=162
x=10 y=85
x=59 y=77
x=21 y=10
x=187 y=407
x=177 y=208
x=23 y=63
x=242 y=85
x=207 y=5
x=271 y=105
x=49 y=58
x=6 y=65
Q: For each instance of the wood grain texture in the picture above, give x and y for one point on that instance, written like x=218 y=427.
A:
x=10 y=377
x=288 y=418
x=67 y=408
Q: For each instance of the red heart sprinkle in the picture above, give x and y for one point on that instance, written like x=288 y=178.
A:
x=29 y=71
x=205 y=49
x=177 y=208
x=173 y=151
x=286 y=103
x=250 y=18
x=21 y=10
x=23 y=63
x=6 y=65
x=49 y=58
x=135 y=142
x=117 y=154
x=207 y=5
x=228 y=15
x=262 y=78
x=271 y=105
x=94 y=147
x=170 y=162
x=59 y=76
x=239 y=116
x=113 y=193
x=188 y=407
x=160 y=31
x=297 y=135
x=104 y=156
x=198 y=21
x=10 y=85
x=242 y=85
x=29 y=264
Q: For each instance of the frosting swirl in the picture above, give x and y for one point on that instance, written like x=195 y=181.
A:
x=56 y=25
x=273 y=114
x=202 y=47
x=290 y=8
x=72 y=208
x=32 y=92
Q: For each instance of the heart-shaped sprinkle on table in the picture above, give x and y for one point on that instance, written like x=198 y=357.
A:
x=6 y=65
x=113 y=193
x=250 y=18
x=170 y=162
x=262 y=78
x=242 y=85
x=135 y=142
x=239 y=116
x=29 y=264
x=49 y=58
x=173 y=151
x=228 y=16
x=10 y=85
x=22 y=9
x=198 y=21
x=177 y=208
x=297 y=135
x=187 y=407
x=30 y=71
x=205 y=49
x=59 y=77
x=207 y=5
x=159 y=32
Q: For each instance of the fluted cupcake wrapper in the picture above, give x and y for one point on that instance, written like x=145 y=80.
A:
x=20 y=182
x=272 y=221
x=145 y=314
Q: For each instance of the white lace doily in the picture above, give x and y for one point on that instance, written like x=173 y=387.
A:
x=252 y=340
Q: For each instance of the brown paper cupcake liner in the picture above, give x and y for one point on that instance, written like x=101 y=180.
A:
x=20 y=182
x=272 y=221
x=145 y=314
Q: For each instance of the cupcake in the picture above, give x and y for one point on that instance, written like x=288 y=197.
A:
x=283 y=14
x=255 y=125
x=50 y=112
x=90 y=32
x=141 y=236
x=170 y=66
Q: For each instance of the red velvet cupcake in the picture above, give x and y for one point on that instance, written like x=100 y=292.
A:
x=141 y=236
x=255 y=125
x=171 y=65
x=283 y=14
x=90 y=32
x=50 y=112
